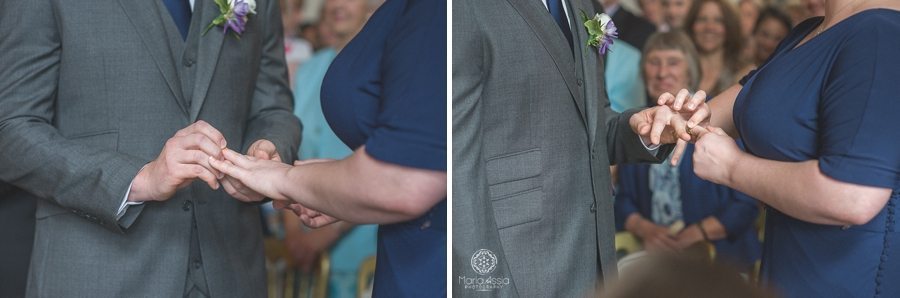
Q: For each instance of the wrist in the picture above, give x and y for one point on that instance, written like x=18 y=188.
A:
x=739 y=158
x=141 y=186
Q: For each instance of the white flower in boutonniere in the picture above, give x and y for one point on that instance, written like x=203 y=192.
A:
x=234 y=15
x=601 y=31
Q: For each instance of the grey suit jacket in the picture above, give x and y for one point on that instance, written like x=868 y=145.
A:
x=89 y=93
x=533 y=137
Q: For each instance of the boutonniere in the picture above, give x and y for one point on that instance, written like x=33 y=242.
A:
x=234 y=16
x=601 y=31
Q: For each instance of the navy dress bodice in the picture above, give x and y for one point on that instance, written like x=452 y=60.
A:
x=386 y=90
x=835 y=99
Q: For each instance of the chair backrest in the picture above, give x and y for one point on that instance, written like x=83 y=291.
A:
x=365 y=277
x=284 y=280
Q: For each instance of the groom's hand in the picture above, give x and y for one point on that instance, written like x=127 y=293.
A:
x=184 y=158
x=673 y=121
x=262 y=149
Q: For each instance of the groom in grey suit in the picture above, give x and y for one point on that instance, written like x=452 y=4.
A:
x=109 y=112
x=533 y=138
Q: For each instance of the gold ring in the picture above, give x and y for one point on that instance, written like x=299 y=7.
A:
x=689 y=131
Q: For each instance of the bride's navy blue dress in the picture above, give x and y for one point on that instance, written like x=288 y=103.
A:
x=835 y=99
x=387 y=90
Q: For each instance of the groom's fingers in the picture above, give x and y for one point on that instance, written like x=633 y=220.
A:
x=660 y=120
x=680 y=127
x=191 y=171
x=197 y=141
x=230 y=189
x=206 y=129
x=197 y=157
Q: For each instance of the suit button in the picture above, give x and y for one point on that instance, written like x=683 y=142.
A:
x=580 y=82
x=188 y=62
x=197 y=264
x=187 y=206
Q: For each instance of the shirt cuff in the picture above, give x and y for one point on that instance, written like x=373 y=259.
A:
x=653 y=149
x=125 y=203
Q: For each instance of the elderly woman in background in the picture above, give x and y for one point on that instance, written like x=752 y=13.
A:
x=652 y=198
x=773 y=25
x=715 y=28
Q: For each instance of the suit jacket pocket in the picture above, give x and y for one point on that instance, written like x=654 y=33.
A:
x=517 y=209
x=107 y=139
x=514 y=173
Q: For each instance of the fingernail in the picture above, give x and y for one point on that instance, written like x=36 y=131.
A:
x=691 y=124
x=692 y=106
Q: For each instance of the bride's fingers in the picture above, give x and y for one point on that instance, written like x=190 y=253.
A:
x=680 y=145
x=701 y=131
x=698 y=98
x=700 y=115
x=718 y=131
x=680 y=99
x=665 y=99
x=238 y=159
x=228 y=168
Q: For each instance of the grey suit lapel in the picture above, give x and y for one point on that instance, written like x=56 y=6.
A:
x=145 y=18
x=538 y=18
x=586 y=58
x=207 y=55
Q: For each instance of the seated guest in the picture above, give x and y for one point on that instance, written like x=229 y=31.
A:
x=773 y=25
x=651 y=198
x=674 y=12
x=715 y=29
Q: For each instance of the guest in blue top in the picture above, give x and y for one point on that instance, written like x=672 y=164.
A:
x=819 y=121
x=650 y=198
x=385 y=96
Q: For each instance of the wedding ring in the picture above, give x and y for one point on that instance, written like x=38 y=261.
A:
x=689 y=130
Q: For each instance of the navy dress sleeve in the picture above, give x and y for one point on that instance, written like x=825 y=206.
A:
x=738 y=215
x=628 y=193
x=411 y=126
x=860 y=111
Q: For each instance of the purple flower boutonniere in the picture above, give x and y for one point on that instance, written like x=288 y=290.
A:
x=601 y=31
x=234 y=16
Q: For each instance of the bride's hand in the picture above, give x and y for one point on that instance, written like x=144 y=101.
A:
x=263 y=176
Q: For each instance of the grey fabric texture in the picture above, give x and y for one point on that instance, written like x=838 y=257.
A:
x=533 y=138
x=89 y=93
